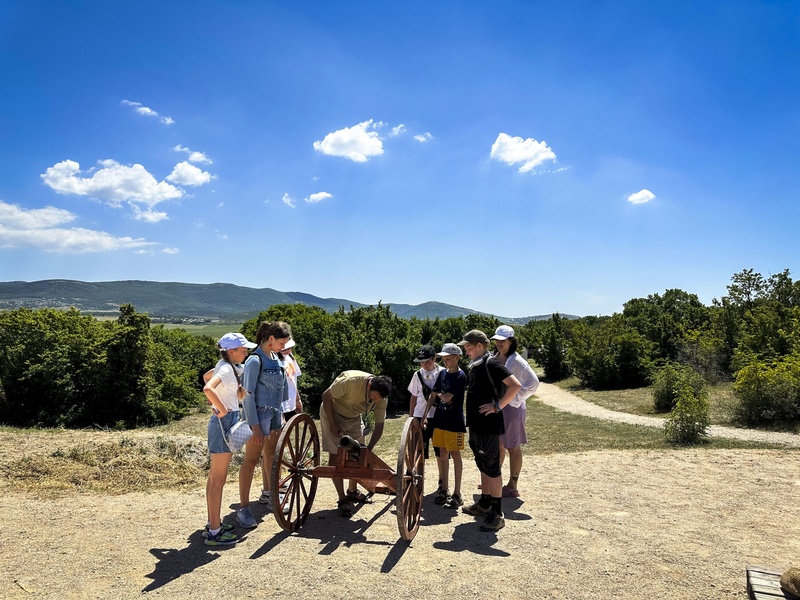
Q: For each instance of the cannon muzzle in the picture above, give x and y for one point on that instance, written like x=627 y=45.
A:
x=349 y=443
x=352 y=445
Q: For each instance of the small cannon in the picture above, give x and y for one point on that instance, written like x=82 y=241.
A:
x=296 y=467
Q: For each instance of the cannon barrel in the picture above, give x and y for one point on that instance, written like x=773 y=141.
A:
x=349 y=443
x=352 y=445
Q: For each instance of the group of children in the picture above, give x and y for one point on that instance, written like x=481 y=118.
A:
x=492 y=396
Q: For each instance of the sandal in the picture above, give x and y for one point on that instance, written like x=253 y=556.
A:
x=345 y=510
x=359 y=497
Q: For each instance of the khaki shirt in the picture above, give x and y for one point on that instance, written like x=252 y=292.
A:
x=351 y=396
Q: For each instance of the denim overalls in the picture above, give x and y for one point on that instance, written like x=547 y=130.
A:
x=266 y=388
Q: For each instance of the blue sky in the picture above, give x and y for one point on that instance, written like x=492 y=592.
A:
x=518 y=158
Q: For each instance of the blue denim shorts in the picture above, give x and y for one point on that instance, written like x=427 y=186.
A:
x=216 y=443
x=269 y=419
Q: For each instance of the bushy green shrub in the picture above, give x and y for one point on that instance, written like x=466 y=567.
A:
x=669 y=380
x=769 y=392
x=704 y=351
x=61 y=368
x=688 y=421
x=610 y=355
x=370 y=338
x=548 y=345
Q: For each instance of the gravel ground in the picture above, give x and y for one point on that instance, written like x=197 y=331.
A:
x=678 y=524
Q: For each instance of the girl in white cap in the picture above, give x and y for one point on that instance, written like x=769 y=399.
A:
x=224 y=391
x=515 y=413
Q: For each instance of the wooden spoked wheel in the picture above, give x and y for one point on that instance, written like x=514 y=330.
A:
x=296 y=455
x=410 y=479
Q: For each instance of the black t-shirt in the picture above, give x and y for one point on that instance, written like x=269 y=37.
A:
x=480 y=392
x=450 y=417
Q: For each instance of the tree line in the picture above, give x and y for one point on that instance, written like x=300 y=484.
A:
x=750 y=336
x=61 y=368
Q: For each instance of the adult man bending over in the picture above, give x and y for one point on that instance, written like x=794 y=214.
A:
x=350 y=395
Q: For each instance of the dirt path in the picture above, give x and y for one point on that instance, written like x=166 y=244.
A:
x=562 y=400
x=676 y=525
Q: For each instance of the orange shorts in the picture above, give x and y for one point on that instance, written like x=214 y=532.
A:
x=451 y=441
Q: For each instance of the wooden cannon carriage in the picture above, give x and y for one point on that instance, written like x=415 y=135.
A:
x=296 y=468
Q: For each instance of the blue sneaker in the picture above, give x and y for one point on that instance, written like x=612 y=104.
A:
x=225 y=527
x=245 y=518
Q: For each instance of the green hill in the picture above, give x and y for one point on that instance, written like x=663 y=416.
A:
x=223 y=301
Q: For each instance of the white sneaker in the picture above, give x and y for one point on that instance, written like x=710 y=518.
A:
x=266 y=500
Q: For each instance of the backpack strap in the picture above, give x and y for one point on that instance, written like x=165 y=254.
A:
x=426 y=391
x=491 y=381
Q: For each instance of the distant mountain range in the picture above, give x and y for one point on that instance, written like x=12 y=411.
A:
x=195 y=301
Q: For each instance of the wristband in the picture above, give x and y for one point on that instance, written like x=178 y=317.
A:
x=497 y=407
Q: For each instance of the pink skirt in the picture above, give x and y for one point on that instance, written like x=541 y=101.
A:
x=514 y=419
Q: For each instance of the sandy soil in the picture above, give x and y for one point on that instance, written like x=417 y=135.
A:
x=679 y=524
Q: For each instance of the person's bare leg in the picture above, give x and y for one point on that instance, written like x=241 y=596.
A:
x=252 y=453
x=338 y=482
x=443 y=461
x=268 y=456
x=493 y=486
x=515 y=464
x=457 y=469
x=217 y=475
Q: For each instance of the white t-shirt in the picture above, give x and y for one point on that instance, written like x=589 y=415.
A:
x=415 y=387
x=228 y=385
x=520 y=368
x=292 y=373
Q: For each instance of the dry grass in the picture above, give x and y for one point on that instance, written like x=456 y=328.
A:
x=110 y=467
x=53 y=461
x=639 y=401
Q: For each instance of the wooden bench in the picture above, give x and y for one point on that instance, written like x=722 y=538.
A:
x=763 y=584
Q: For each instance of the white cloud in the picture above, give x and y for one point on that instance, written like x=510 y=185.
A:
x=194 y=156
x=187 y=174
x=513 y=150
x=641 y=197
x=116 y=183
x=113 y=182
x=148 y=112
x=318 y=197
x=148 y=215
x=37 y=228
x=357 y=143
x=398 y=130
x=14 y=216
x=425 y=137
x=171 y=251
x=288 y=200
